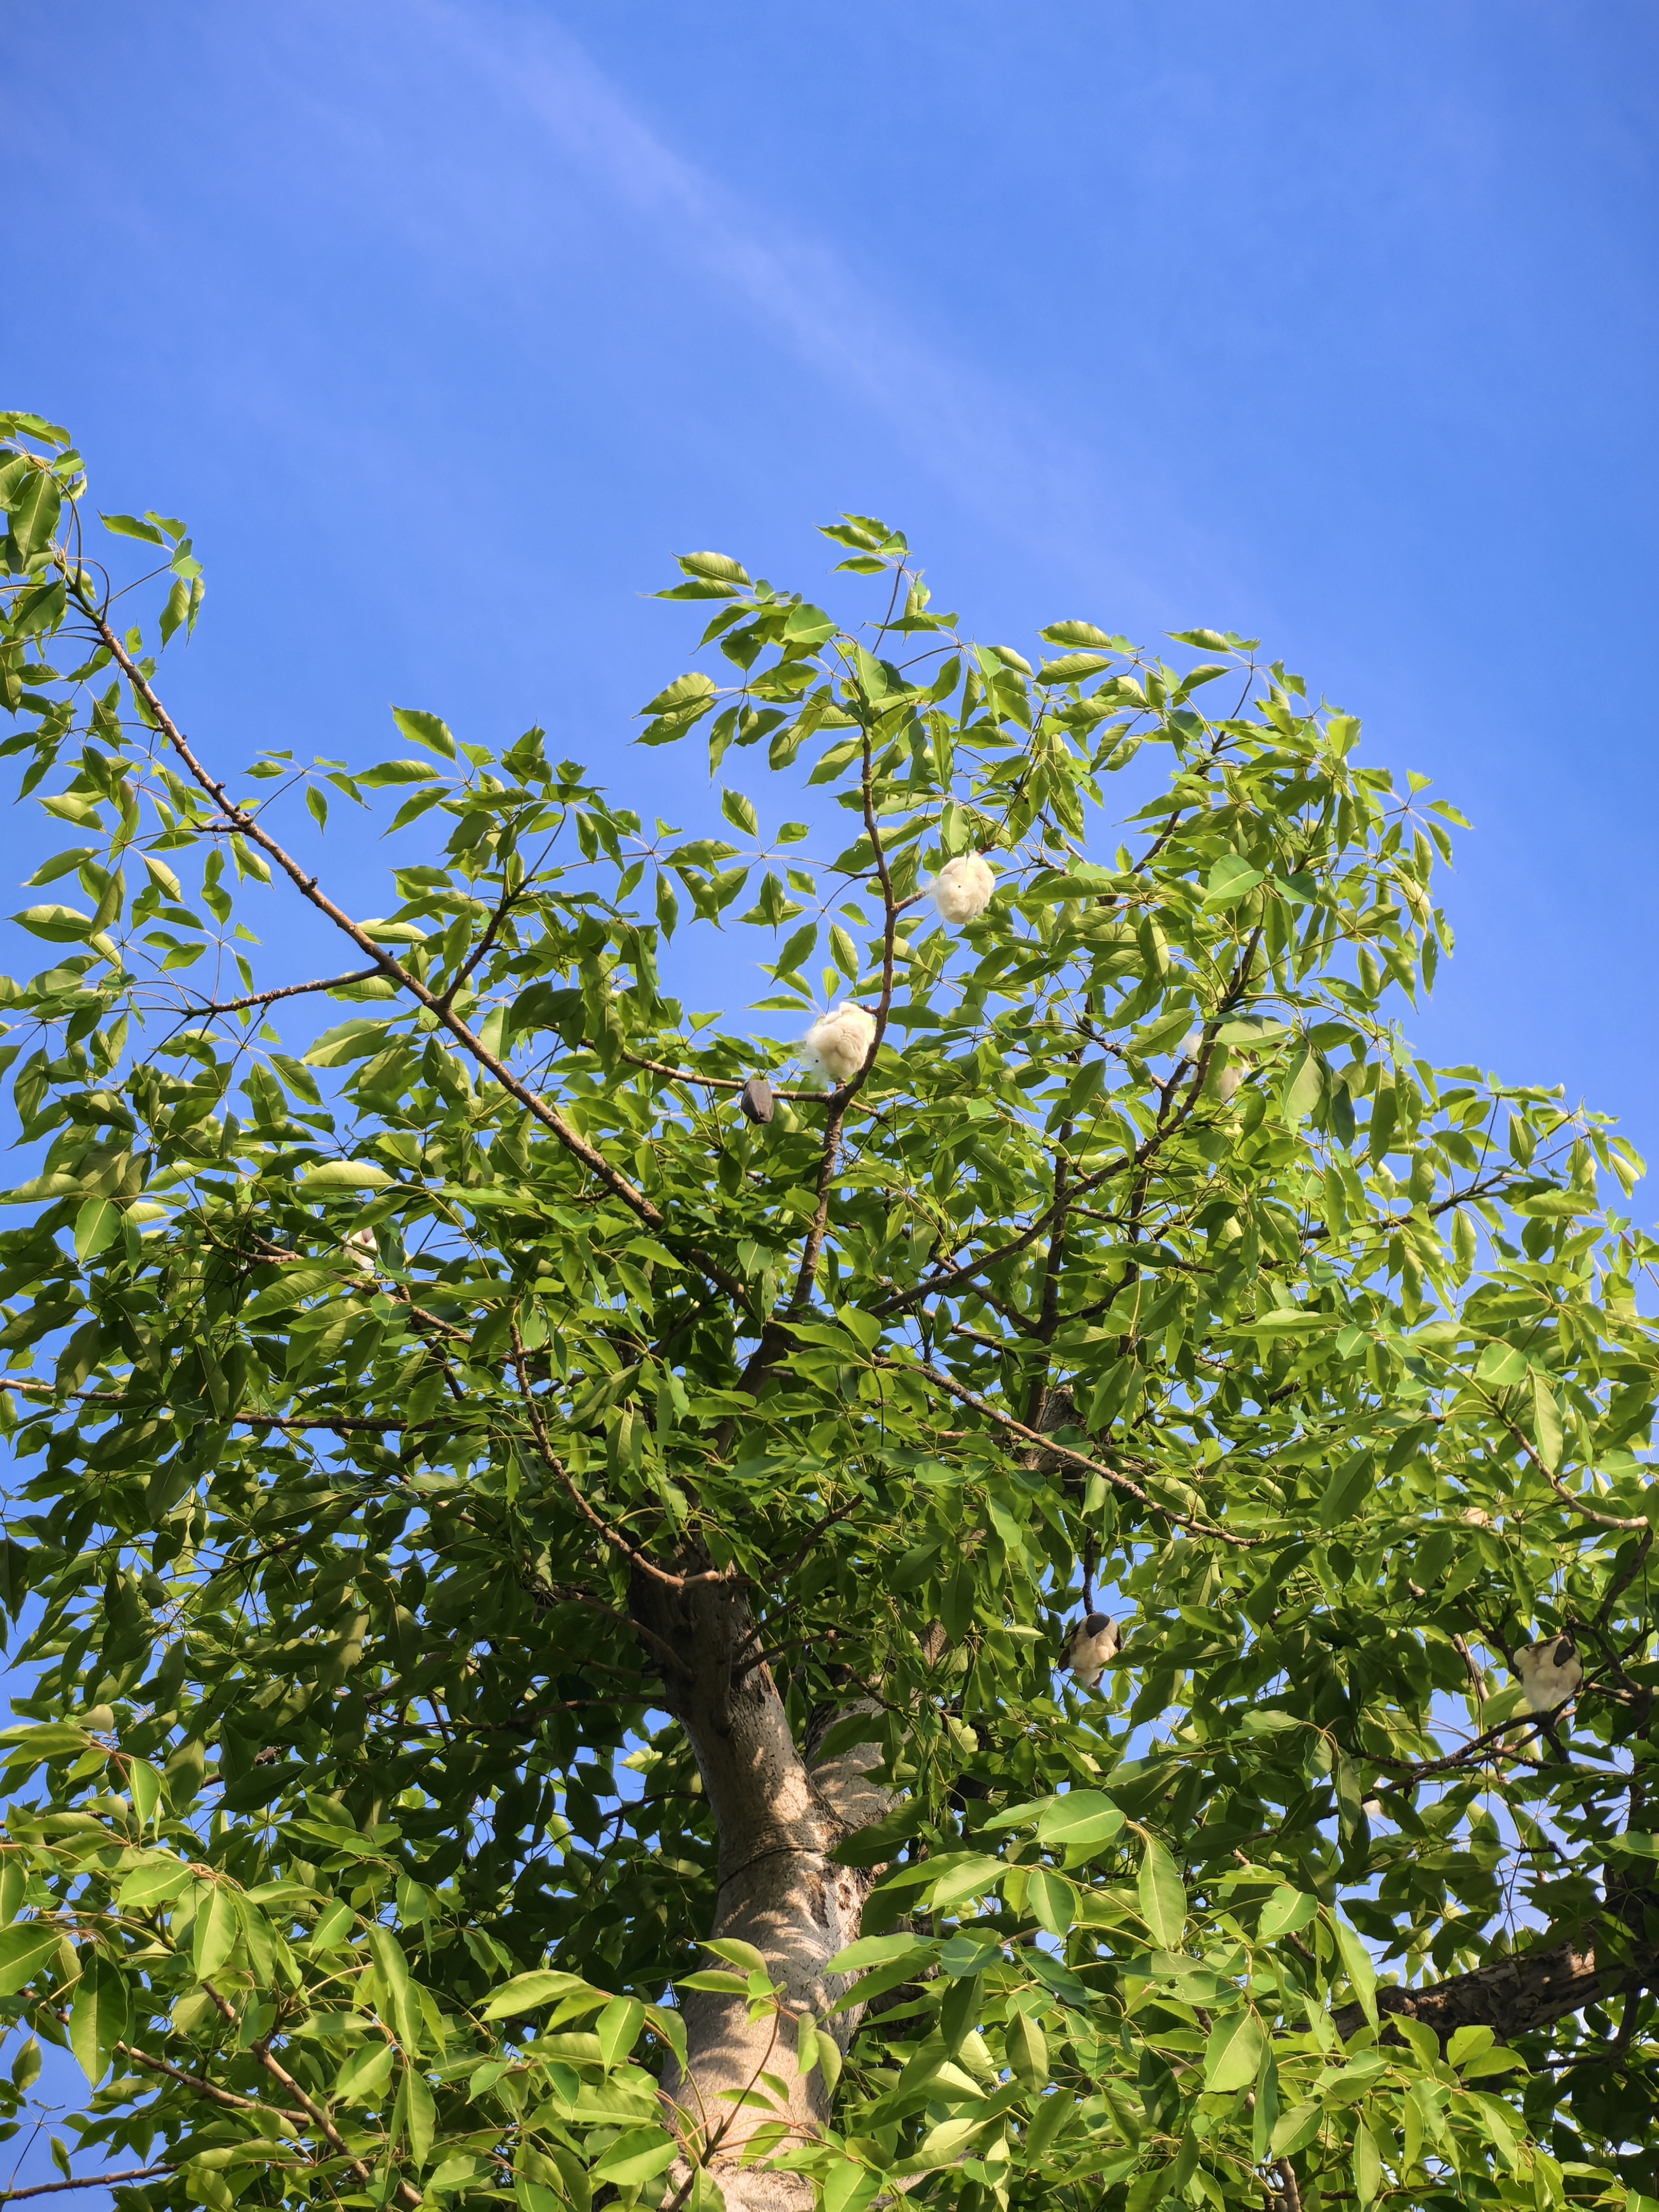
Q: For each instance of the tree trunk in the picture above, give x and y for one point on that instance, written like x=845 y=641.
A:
x=778 y=1819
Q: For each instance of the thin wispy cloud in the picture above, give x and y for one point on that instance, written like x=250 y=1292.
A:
x=996 y=455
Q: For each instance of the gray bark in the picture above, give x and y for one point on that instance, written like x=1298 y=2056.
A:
x=779 y=1813
x=1515 y=1995
x=778 y=1819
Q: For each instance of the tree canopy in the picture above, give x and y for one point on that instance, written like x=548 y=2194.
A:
x=545 y=1528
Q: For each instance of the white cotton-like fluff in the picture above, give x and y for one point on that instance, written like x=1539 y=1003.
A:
x=1090 y=1647
x=963 y=888
x=362 y=1251
x=1550 y=1673
x=1226 y=1068
x=838 y=1043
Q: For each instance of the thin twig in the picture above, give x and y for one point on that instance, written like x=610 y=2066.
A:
x=1589 y=1513
x=210 y=2090
x=288 y=991
x=92 y=2181
x=317 y=2118
x=614 y=1537
x=1063 y=1451
x=246 y=823
x=341 y=1422
x=713 y=1081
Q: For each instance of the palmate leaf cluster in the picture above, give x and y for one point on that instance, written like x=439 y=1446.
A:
x=355 y=1366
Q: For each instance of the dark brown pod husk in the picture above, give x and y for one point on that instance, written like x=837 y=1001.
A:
x=756 y=1098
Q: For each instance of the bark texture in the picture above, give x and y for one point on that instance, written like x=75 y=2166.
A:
x=780 y=1812
x=778 y=1819
x=1516 y=1995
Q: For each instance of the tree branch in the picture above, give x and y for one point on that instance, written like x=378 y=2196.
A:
x=288 y=991
x=713 y=1081
x=1063 y=1451
x=342 y=1423
x=247 y=825
x=1513 y=1995
x=210 y=2090
x=92 y=2181
x=614 y=1537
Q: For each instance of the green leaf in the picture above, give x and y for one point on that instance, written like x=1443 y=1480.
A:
x=1285 y=1910
x=425 y=730
x=145 y=1785
x=47 y=1739
x=1500 y=1364
x=215 y=1929
x=739 y=1953
x=617 y=2027
x=1072 y=668
x=1028 y=2052
x=34 y=511
x=878 y=1951
x=62 y=925
x=972 y=1874
x=740 y=812
x=1157 y=1037
x=1295 y=2129
x=374 y=779
x=129 y=525
x=1051 y=1899
x=1079 y=1822
x=1556 y=1205
x=1357 y=1962
x=152 y=1882
x=25 y=1947
x=343 y=1175
x=689 y=695
x=97 y=2017
x=1547 y=1422
x=636 y=2156
x=96 y=1224
x=524 y=1992
x=848 y=2186
x=1367 y=2164
x=364 y=2074
x=1504 y=1706
x=1347 y=1490
x=1162 y=1896
x=1636 y=1842
x=417 y=2114
x=1232 y=2057
x=1230 y=880
x=717 y=567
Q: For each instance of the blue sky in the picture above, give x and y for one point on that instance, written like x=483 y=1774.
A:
x=445 y=325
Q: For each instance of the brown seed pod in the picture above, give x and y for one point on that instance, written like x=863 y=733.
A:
x=756 y=1098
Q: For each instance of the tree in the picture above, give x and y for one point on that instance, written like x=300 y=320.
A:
x=541 y=1560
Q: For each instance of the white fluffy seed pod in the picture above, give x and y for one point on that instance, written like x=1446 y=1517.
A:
x=1227 y=1069
x=1477 y=1516
x=362 y=1251
x=1550 y=1673
x=964 y=887
x=838 y=1043
x=1091 y=1643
